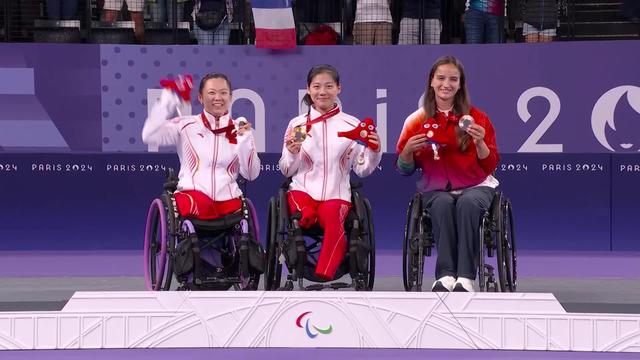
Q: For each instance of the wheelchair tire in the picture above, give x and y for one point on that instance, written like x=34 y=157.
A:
x=371 y=240
x=273 y=270
x=172 y=236
x=486 y=241
x=508 y=249
x=491 y=273
x=411 y=268
x=155 y=246
x=252 y=280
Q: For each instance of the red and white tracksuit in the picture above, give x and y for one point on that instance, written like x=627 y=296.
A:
x=320 y=187
x=209 y=163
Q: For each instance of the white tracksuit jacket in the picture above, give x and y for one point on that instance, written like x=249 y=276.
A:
x=322 y=167
x=208 y=163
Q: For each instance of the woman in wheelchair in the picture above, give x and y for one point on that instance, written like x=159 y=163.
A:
x=319 y=161
x=213 y=150
x=457 y=156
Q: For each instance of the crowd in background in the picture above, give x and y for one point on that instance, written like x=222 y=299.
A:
x=359 y=22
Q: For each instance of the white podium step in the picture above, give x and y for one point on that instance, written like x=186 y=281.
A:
x=520 y=321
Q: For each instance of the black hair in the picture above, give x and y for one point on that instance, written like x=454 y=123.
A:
x=214 y=75
x=313 y=72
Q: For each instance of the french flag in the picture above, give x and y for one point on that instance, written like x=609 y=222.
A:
x=275 y=28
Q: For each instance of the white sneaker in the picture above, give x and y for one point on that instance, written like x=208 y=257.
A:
x=463 y=285
x=445 y=283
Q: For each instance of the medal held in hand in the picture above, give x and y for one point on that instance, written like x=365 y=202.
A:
x=465 y=121
x=299 y=133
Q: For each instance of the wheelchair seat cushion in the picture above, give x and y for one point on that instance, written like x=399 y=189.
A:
x=196 y=204
x=217 y=224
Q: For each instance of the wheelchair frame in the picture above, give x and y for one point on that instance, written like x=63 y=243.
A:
x=165 y=230
x=283 y=234
x=496 y=236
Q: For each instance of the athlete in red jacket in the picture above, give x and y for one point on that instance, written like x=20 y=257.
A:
x=457 y=186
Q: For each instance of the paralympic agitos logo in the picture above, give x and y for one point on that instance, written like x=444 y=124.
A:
x=311 y=330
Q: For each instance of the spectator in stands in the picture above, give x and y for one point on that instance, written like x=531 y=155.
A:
x=310 y=14
x=417 y=15
x=373 y=23
x=484 y=21
x=213 y=19
x=61 y=9
x=540 y=19
x=113 y=7
x=162 y=10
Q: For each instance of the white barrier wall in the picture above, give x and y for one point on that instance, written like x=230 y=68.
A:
x=517 y=321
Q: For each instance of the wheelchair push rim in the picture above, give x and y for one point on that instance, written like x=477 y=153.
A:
x=155 y=258
x=371 y=273
x=273 y=270
x=410 y=259
x=508 y=248
x=251 y=279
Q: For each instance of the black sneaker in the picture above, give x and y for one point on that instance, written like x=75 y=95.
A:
x=438 y=287
x=459 y=288
x=252 y=285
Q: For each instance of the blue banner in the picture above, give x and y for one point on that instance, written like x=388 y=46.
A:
x=99 y=201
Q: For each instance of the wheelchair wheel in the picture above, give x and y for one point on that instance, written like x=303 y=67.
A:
x=507 y=249
x=155 y=246
x=368 y=235
x=172 y=237
x=412 y=262
x=496 y=237
x=273 y=270
x=251 y=280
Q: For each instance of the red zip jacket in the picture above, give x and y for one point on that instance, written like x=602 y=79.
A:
x=456 y=169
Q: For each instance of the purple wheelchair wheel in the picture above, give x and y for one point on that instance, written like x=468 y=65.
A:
x=155 y=246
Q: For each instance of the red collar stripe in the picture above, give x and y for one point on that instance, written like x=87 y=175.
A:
x=321 y=118
x=229 y=130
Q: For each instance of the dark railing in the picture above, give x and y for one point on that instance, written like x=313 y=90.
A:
x=171 y=22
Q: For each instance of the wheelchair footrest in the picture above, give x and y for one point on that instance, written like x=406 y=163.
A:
x=216 y=280
x=288 y=286
x=334 y=286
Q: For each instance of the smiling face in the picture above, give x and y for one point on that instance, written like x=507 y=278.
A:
x=445 y=84
x=323 y=90
x=215 y=96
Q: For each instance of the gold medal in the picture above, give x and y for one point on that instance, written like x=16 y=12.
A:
x=299 y=133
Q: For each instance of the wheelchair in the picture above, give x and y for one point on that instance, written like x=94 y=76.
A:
x=496 y=238
x=182 y=247
x=298 y=249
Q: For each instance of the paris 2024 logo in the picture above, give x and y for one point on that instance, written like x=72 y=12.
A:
x=611 y=119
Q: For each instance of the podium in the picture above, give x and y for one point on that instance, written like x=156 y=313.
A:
x=509 y=321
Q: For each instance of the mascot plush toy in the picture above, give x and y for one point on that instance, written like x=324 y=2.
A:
x=436 y=135
x=182 y=86
x=361 y=132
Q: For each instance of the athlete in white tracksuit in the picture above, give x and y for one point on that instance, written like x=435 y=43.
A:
x=209 y=162
x=320 y=165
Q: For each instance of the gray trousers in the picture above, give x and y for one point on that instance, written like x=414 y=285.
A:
x=455 y=220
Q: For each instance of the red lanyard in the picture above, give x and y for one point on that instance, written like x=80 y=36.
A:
x=321 y=118
x=229 y=130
